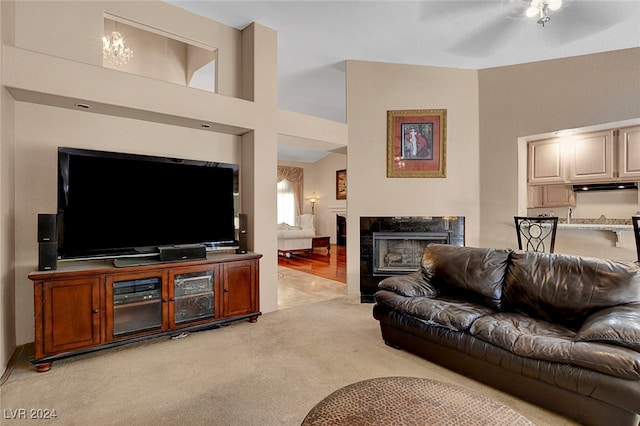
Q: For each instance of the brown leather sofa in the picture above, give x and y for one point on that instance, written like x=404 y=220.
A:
x=560 y=331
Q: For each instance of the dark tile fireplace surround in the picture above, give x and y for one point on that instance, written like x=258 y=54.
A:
x=394 y=245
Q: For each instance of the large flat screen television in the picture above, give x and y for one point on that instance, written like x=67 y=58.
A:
x=116 y=205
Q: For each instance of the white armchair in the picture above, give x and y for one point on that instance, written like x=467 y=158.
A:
x=298 y=237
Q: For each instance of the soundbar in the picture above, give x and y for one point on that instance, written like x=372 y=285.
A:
x=177 y=253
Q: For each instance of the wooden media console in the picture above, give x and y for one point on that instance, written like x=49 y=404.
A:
x=85 y=306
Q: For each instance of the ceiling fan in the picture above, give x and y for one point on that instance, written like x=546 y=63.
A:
x=541 y=9
x=505 y=19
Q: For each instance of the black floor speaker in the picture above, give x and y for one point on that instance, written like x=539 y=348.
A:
x=47 y=256
x=243 y=233
x=177 y=253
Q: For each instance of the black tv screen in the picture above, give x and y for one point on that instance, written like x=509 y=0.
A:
x=115 y=204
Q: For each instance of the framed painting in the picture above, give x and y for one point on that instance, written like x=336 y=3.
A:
x=341 y=185
x=417 y=143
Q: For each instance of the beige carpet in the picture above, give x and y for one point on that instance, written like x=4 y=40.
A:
x=268 y=373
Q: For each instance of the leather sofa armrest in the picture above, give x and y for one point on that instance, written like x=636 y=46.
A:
x=618 y=325
x=410 y=285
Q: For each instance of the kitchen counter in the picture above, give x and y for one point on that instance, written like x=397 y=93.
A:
x=600 y=224
x=595 y=226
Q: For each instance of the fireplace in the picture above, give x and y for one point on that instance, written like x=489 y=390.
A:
x=401 y=252
x=393 y=245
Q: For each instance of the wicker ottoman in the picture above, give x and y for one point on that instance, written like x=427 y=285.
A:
x=410 y=401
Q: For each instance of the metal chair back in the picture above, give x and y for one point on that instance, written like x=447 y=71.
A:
x=636 y=232
x=536 y=233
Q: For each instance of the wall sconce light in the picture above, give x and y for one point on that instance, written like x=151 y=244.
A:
x=313 y=202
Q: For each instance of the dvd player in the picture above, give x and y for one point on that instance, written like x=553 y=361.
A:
x=138 y=296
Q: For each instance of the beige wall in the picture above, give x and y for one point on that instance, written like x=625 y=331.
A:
x=372 y=90
x=7 y=205
x=542 y=97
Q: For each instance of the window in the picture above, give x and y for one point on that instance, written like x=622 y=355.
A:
x=286 y=202
x=290 y=182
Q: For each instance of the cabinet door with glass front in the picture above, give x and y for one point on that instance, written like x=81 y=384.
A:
x=136 y=304
x=192 y=295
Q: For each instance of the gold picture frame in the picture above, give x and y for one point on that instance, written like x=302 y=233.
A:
x=341 y=184
x=417 y=143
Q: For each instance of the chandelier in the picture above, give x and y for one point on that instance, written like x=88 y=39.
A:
x=541 y=9
x=115 y=50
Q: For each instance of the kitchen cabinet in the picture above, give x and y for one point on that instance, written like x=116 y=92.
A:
x=596 y=157
x=590 y=157
x=546 y=162
x=550 y=196
x=629 y=153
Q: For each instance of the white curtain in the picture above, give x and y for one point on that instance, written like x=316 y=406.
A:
x=290 y=183
x=286 y=202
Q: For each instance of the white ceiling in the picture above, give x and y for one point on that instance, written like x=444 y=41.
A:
x=316 y=37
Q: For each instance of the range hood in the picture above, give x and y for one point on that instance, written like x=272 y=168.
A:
x=613 y=186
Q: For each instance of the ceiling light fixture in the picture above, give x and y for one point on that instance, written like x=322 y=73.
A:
x=541 y=9
x=115 y=50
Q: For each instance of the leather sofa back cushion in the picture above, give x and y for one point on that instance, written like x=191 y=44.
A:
x=467 y=271
x=566 y=289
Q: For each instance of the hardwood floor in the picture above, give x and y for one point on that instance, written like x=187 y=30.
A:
x=331 y=266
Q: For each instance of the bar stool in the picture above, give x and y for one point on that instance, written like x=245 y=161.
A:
x=537 y=233
x=636 y=233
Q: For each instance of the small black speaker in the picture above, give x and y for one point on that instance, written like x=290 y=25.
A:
x=177 y=253
x=243 y=233
x=47 y=256
x=46 y=227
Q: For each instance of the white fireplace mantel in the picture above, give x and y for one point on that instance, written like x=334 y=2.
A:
x=338 y=209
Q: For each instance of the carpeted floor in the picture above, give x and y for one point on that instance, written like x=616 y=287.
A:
x=268 y=373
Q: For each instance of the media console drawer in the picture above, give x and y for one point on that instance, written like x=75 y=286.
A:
x=83 y=306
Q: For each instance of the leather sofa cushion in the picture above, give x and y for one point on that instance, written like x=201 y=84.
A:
x=440 y=312
x=476 y=271
x=538 y=339
x=567 y=289
x=409 y=285
x=619 y=325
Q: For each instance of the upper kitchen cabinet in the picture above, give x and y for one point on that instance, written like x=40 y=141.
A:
x=590 y=157
x=629 y=153
x=597 y=157
x=546 y=162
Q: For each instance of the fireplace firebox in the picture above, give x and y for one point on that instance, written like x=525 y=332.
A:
x=393 y=245
x=401 y=252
